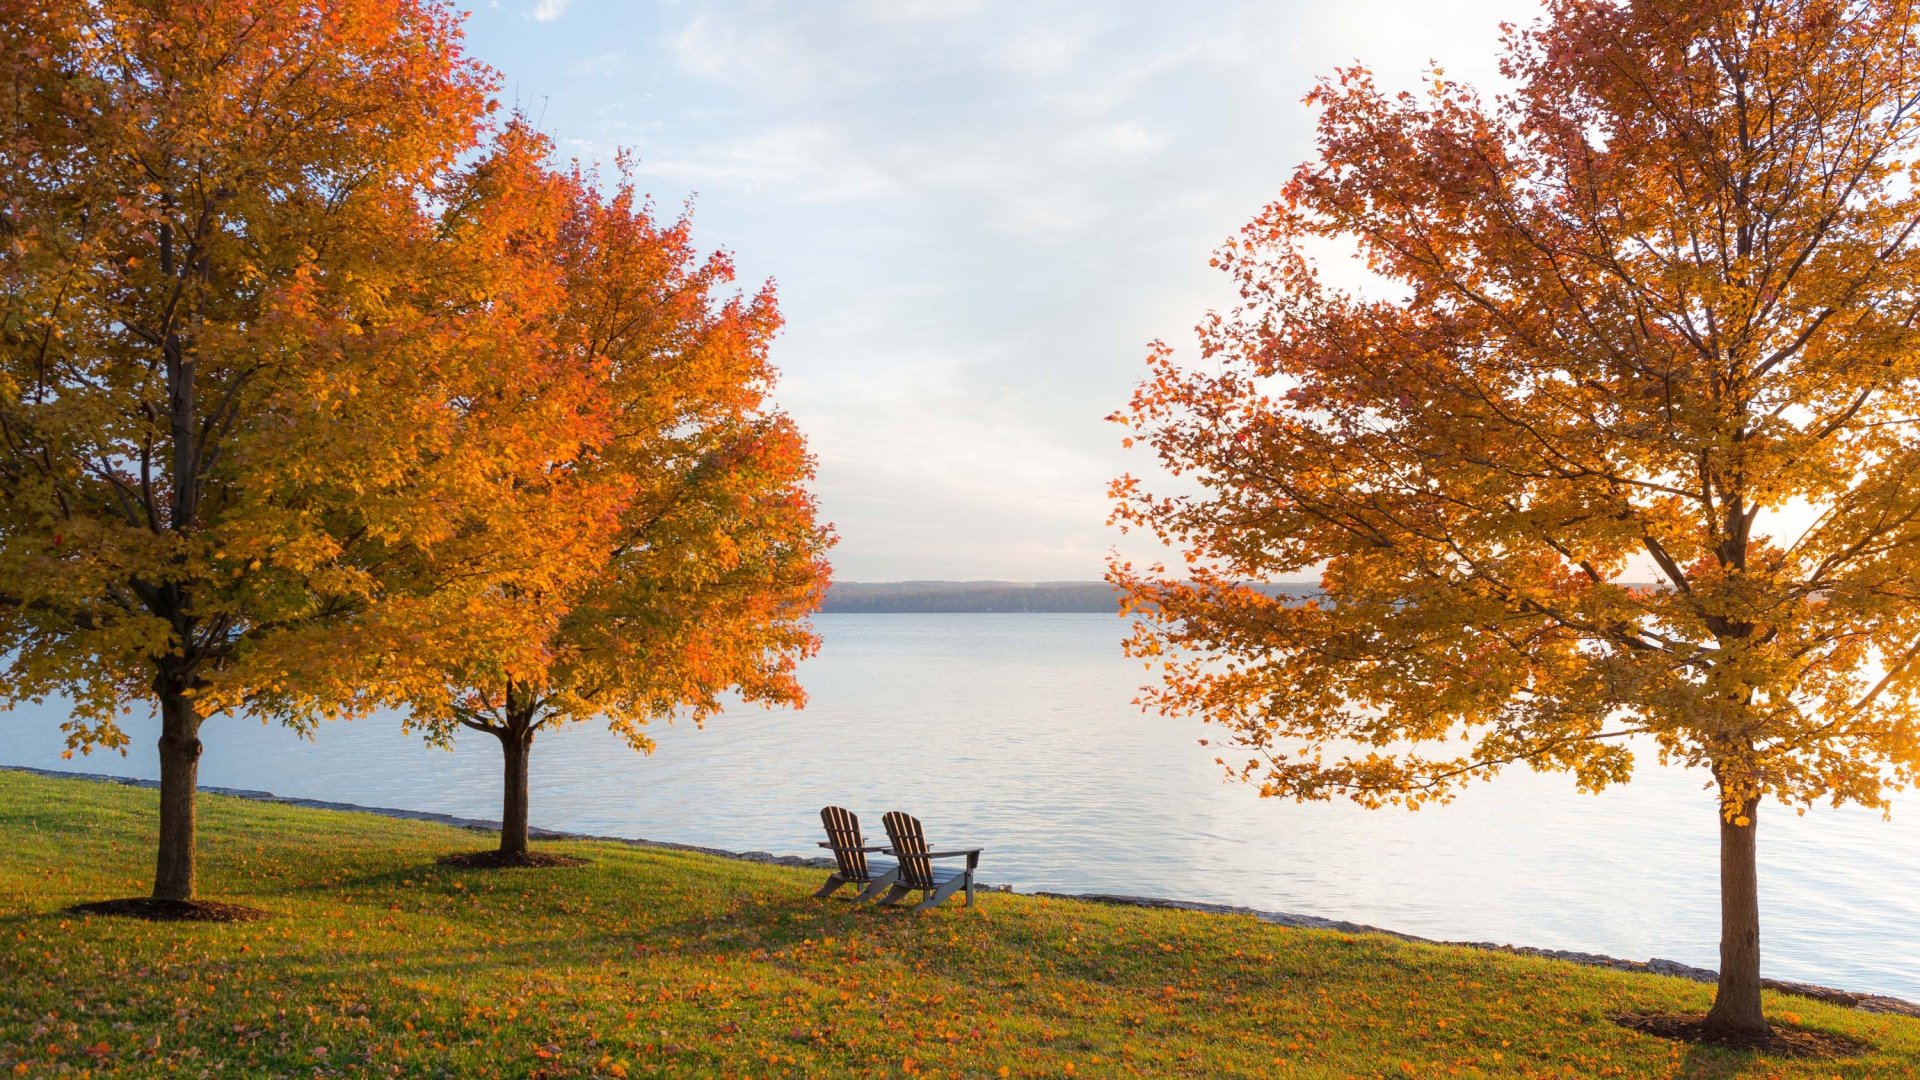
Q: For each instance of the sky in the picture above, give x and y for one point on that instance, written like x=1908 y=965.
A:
x=977 y=214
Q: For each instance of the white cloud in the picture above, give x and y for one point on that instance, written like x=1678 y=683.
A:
x=1124 y=139
x=549 y=10
x=1039 y=52
x=601 y=65
x=785 y=62
x=917 y=10
x=806 y=162
x=978 y=212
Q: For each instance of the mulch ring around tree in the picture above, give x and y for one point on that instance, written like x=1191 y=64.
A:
x=1779 y=1041
x=500 y=860
x=146 y=907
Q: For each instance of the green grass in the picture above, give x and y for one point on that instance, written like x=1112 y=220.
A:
x=656 y=962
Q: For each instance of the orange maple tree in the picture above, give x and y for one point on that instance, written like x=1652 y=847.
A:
x=238 y=368
x=1649 y=315
x=693 y=554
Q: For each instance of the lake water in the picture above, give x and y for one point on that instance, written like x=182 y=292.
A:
x=1016 y=733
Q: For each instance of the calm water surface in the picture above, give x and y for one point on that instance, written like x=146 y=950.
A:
x=1015 y=732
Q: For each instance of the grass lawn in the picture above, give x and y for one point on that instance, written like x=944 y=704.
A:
x=656 y=962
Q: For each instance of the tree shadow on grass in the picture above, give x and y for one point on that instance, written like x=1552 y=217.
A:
x=643 y=939
x=405 y=875
x=155 y=910
x=496 y=859
x=1713 y=1062
x=1707 y=1056
x=478 y=954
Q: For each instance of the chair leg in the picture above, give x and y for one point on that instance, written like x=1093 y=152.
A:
x=832 y=884
x=873 y=887
x=940 y=894
x=893 y=895
x=969 y=902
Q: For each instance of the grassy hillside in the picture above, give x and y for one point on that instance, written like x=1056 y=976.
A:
x=653 y=962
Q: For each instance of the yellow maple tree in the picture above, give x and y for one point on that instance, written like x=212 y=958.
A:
x=685 y=546
x=1649 y=316
x=243 y=467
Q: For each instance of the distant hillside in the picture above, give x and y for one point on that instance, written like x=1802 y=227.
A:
x=906 y=597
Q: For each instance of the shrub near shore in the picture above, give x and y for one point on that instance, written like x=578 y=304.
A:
x=375 y=960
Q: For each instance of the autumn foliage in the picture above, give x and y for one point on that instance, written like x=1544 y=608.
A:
x=1613 y=451
x=694 y=556
x=320 y=389
x=223 y=390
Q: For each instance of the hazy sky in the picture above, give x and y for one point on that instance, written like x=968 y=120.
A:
x=978 y=215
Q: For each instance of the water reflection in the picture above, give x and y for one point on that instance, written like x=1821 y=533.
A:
x=1015 y=732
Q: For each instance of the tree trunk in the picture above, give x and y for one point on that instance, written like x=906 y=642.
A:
x=1736 y=1004
x=179 y=780
x=517 y=744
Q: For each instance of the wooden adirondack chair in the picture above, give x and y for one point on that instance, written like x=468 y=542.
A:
x=917 y=872
x=850 y=856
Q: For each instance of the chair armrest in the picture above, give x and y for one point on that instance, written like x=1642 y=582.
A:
x=886 y=851
x=972 y=854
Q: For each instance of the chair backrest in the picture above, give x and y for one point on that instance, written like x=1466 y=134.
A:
x=910 y=847
x=843 y=834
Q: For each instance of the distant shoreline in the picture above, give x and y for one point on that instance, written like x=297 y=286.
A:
x=992 y=597
x=1878 y=1003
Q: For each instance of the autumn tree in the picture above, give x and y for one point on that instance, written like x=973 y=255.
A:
x=697 y=555
x=233 y=400
x=1648 y=317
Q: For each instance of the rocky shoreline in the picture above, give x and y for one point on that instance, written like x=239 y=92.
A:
x=1865 y=1002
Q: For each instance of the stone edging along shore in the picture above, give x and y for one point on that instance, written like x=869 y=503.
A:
x=1864 y=1002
